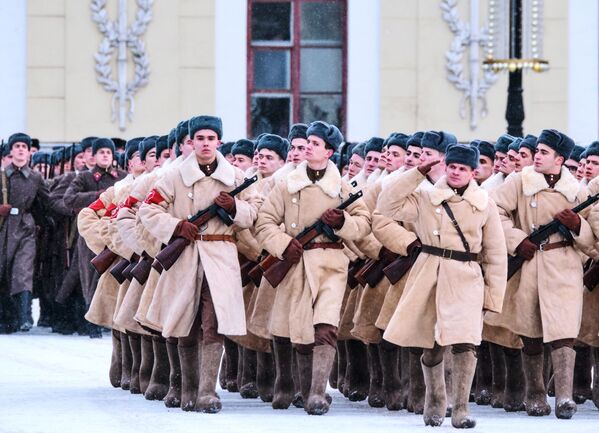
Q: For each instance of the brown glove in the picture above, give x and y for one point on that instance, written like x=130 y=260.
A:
x=293 y=252
x=425 y=168
x=226 y=201
x=526 y=249
x=413 y=245
x=186 y=230
x=570 y=219
x=5 y=209
x=334 y=218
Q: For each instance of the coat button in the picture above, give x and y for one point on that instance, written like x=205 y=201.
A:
x=189 y=217
x=293 y=225
x=533 y=204
x=436 y=232
x=190 y=195
x=294 y=200
x=438 y=210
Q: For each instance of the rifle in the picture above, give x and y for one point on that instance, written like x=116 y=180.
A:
x=352 y=269
x=169 y=255
x=591 y=275
x=103 y=260
x=142 y=269
x=117 y=270
x=128 y=269
x=246 y=266
x=401 y=265
x=540 y=236
x=275 y=270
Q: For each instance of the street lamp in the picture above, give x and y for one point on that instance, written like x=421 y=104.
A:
x=515 y=43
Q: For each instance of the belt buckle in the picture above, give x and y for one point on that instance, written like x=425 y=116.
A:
x=201 y=238
x=447 y=256
x=14 y=211
x=542 y=245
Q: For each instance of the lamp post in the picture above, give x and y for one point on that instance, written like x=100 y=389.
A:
x=515 y=44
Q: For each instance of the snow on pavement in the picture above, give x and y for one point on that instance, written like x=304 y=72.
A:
x=59 y=384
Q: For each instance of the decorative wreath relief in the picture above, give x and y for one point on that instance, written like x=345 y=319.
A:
x=474 y=89
x=118 y=35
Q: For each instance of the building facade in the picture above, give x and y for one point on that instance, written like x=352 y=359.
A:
x=370 y=66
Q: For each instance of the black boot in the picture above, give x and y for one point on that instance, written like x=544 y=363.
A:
x=248 y=388
x=417 y=386
x=265 y=379
x=389 y=354
x=498 y=368
x=484 y=376
x=376 y=397
x=357 y=368
x=341 y=366
x=582 y=374
x=232 y=360
x=284 y=386
x=173 y=397
x=23 y=303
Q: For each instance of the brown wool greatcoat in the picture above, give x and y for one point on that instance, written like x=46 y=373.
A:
x=312 y=292
x=444 y=299
x=544 y=299
x=182 y=192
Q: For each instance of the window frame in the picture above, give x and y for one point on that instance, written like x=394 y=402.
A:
x=295 y=46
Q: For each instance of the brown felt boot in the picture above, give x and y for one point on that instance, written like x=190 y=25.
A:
x=298 y=399
x=417 y=387
x=404 y=376
x=248 y=387
x=341 y=365
x=334 y=373
x=304 y=368
x=135 y=344
x=448 y=367
x=596 y=377
x=389 y=354
x=515 y=383
x=498 y=371
x=563 y=360
x=173 y=397
x=189 y=357
x=147 y=363
x=484 y=375
x=464 y=368
x=265 y=379
x=232 y=360
x=357 y=369
x=127 y=360
x=284 y=386
x=376 y=397
x=207 y=400
x=116 y=360
x=322 y=363
x=435 y=401
x=535 y=399
x=159 y=380
x=222 y=373
x=582 y=374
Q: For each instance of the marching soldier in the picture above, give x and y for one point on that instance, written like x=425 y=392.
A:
x=446 y=293
x=542 y=304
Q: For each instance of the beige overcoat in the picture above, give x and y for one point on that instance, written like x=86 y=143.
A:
x=312 y=292
x=444 y=299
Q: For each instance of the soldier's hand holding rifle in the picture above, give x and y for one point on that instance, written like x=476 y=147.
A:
x=5 y=209
x=570 y=219
x=294 y=251
x=225 y=201
x=186 y=230
x=333 y=218
x=526 y=249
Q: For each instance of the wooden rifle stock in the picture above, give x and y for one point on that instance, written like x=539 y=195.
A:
x=541 y=234
x=591 y=276
x=246 y=266
x=372 y=274
x=117 y=270
x=352 y=269
x=128 y=269
x=141 y=271
x=395 y=270
x=171 y=253
x=103 y=260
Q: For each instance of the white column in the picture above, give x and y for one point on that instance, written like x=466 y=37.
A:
x=13 y=66
x=583 y=70
x=231 y=67
x=363 y=22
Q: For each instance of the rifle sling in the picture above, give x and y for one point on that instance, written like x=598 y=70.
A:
x=456 y=225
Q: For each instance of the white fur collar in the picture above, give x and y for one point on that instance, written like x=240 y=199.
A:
x=389 y=178
x=475 y=195
x=330 y=183
x=126 y=181
x=533 y=182
x=361 y=179
x=493 y=182
x=284 y=171
x=191 y=173
x=374 y=176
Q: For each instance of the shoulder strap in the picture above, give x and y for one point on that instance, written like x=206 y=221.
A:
x=456 y=225
x=4 y=182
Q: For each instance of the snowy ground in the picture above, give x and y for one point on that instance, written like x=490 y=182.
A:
x=51 y=383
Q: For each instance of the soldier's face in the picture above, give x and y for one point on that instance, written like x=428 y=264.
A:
x=205 y=143
x=356 y=162
x=229 y=157
x=581 y=168
x=135 y=165
x=526 y=158
x=20 y=154
x=395 y=158
x=509 y=162
x=546 y=160
x=572 y=166
x=255 y=158
x=372 y=162
x=458 y=175
x=430 y=155
x=150 y=162
x=103 y=158
x=316 y=151
x=79 y=161
x=297 y=150
x=242 y=162
x=186 y=147
x=383 y=159
x=497 y=164
x=164 y=155
x=90 y=159
x=484 y=169
x=269 y=162
x=591 y=170
x=413 y=155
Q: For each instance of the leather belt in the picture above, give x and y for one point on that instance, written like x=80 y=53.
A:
x=460 y=256
x=214 y=238
x=324 y=245
x=554 y=245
